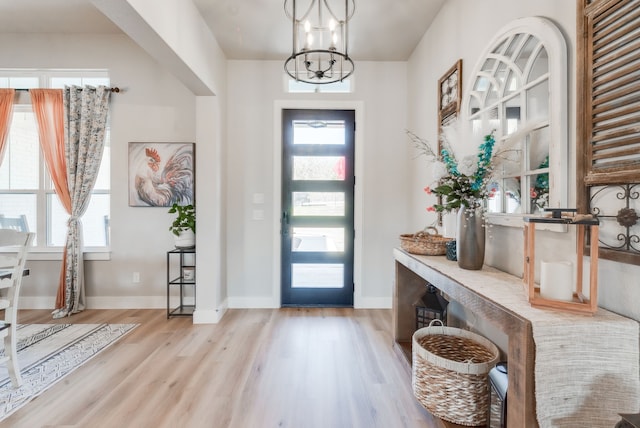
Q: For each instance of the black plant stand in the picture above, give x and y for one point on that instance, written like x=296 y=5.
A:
x=184 y=278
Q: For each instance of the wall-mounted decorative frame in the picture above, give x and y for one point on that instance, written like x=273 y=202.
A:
x=161 y=174
x=449 y=96
x=450 y=91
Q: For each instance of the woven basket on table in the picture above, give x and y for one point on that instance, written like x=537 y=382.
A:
x=450 y=373
x=426 y=242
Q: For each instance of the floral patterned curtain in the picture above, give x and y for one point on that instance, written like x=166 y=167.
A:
x=6 y=109
x=85 y=112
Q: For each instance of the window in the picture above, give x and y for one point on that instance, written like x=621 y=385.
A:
x=295 y=87
x=608 y=139
x=25 y=186
x=519 y=89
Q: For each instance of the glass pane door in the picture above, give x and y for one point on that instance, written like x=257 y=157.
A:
x=317 y=207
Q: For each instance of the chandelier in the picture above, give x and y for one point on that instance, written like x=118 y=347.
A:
x=320 y=36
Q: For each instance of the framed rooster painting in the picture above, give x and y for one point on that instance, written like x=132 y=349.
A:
x=161 y=174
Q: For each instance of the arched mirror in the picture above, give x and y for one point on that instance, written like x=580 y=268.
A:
x=519 y=88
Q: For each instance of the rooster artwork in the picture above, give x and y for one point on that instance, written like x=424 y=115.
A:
x=160 y=174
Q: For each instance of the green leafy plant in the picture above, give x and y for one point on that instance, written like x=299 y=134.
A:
x=185 y=220
x=459 y=183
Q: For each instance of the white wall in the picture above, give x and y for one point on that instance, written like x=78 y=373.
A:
x=462 y=29
x=154 y=106
x=253 y=89
x=394 y=96
x=179 y=40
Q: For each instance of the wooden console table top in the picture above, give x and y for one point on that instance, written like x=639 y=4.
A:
x=535 y=335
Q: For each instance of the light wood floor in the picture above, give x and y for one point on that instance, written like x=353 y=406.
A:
x=291 y=368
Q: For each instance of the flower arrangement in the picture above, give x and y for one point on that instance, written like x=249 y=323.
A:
x=538 y=192
x=459 y=183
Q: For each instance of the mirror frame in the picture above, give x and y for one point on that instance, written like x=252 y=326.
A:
x=554 y=43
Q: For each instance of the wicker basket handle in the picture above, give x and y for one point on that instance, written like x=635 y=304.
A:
x=434 y=320
x=429 y=230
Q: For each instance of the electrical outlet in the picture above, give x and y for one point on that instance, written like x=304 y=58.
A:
x=258 y=214
x=136 y=277
x=258 y=198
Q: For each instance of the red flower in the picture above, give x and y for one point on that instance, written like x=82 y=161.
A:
x=427 y=190
x=534 y=194
x=431 y=209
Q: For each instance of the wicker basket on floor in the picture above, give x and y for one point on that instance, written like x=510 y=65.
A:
x=426 y=242
x=450 y=373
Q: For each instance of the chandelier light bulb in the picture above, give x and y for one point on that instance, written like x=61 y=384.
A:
x=320 y=39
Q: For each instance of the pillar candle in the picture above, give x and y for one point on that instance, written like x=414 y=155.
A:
x=556 y=280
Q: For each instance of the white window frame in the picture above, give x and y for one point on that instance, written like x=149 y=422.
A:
x=553 y=41
x=45 y=186
x=291 y=86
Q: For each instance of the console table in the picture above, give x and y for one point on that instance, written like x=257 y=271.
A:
x=562 y=366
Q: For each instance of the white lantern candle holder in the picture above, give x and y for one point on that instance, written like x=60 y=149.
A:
x=556 y=289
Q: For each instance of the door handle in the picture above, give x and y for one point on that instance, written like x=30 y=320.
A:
x=285 y=223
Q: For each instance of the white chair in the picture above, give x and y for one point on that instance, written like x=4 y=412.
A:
x=14 y=246
x=16 y=223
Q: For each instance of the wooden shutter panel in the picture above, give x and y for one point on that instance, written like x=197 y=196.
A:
x=608 y=122
x=612 y=108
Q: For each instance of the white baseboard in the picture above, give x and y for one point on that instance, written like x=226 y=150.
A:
x=201 y=316
x=132 y=302
x=269 y=302
x=28 y=302
x=372 y=302
x=106 y=302
x=253 y=303
x=210 y=316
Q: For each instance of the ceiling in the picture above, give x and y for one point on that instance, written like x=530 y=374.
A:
x=53 y=16
x=380 y=30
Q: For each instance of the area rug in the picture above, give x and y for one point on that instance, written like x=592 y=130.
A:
x=48 y=352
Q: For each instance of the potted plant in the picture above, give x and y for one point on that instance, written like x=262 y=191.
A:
x=184 y=225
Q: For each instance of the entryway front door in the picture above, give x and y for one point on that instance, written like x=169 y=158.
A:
x=317 y=207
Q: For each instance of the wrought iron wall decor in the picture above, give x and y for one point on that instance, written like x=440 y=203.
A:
x=616 y=206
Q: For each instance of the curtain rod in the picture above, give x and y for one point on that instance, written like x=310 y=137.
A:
x=114 y=89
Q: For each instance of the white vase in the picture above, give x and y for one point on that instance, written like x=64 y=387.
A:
x=185 y=239
x=449 y=224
